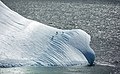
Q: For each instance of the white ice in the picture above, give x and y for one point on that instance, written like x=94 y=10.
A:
x=27 y=42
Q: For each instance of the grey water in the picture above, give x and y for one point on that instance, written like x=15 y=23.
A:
x=99 y=18
x=58 y=70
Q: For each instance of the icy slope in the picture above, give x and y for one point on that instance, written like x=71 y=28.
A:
x=27 y=42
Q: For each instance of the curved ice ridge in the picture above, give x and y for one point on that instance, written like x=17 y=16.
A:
x=27 y=42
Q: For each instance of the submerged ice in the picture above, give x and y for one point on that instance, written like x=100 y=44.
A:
x=27 y=42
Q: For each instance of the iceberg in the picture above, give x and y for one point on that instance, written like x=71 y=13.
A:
x=25 y=42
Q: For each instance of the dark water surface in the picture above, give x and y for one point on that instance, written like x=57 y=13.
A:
x=100 y=19
x=59 y=70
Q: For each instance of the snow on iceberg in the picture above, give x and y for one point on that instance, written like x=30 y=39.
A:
x=24 y=42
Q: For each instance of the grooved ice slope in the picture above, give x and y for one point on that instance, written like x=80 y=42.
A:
x=27 y=42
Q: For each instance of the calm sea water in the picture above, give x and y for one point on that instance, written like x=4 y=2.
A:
x=100 y=19
x=59 y=70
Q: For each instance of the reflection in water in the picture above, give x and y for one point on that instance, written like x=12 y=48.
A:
x=58 y=70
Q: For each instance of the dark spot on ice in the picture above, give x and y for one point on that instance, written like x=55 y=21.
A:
x=52 y=37
x=56 y=33
x=13 y=36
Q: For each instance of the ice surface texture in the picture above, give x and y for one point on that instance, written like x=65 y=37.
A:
x=24 y=42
